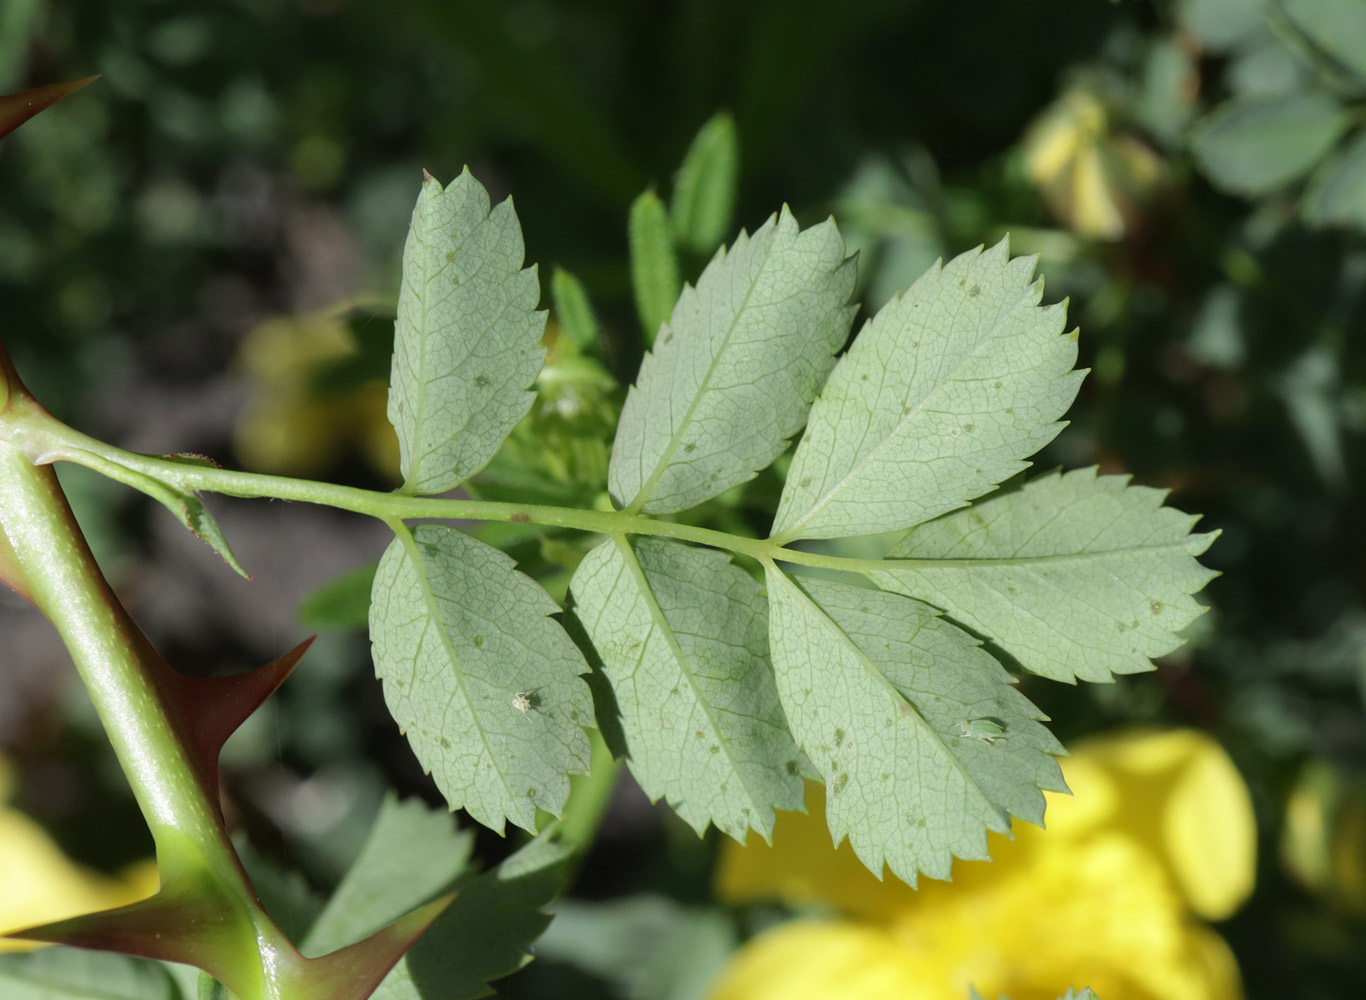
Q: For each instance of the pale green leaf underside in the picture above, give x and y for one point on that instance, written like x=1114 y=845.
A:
x=458 y=635
x=1075 y=575
x=467 y=343
x=734 y=370
x=881 y=694
x=943 y=395
x=682 y=634
x=411 y=854
x=78 y=974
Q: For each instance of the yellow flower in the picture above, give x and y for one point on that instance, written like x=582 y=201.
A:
x=1159 y=832
x=294 y=424
x=40 y=884
x=1092 y=179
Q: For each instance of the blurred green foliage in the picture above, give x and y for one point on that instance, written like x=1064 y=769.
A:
x=1192 y=174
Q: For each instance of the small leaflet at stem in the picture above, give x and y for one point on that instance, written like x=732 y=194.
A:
x=683 y=637
x=734 y=370
x=882 y=695
x=187 y=508
x=943 y=395
x=457 y=634
x=467 y=341
x=1076 y=575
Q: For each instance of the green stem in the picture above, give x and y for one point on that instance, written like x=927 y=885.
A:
x=45 y=440
x=67 y=586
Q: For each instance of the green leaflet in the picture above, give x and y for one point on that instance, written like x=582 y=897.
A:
x=682 y=633
x=882 y=695
x=462 y=641
x=1253 y=145
x=942 y=396
x=486 y=932
x=341 y=603
x=1336 y=28
x=705 y=188
x=1075 y=575
x=78 y=974
x=467 y=343
x=574 y=310
x=735 y=368
x=1337 y=192
x=647 y=947
x=654 y=266
x=412 y=854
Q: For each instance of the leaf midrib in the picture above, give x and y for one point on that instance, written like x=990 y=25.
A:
x=916 y=563
x=429 y=599
x=424 y=381
x=657 y=616
x=872 y=669
x=662 y=465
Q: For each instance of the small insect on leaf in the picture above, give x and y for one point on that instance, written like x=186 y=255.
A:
x=987 y=730
x=524 y=701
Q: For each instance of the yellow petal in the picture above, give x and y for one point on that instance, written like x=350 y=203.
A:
x=833 y=960
x=1210 y=835
x=1050 y=147
x=41 y=884
x=803 y=867
x=1185 y=801
x=1095 y=208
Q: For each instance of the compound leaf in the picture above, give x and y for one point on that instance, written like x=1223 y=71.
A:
x=411 y=854
x=942 y=396
x=682 y=634
x=484 y=683
x=734 y=370
x=923 y=743
x=467 y=343
x=1075 y=575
